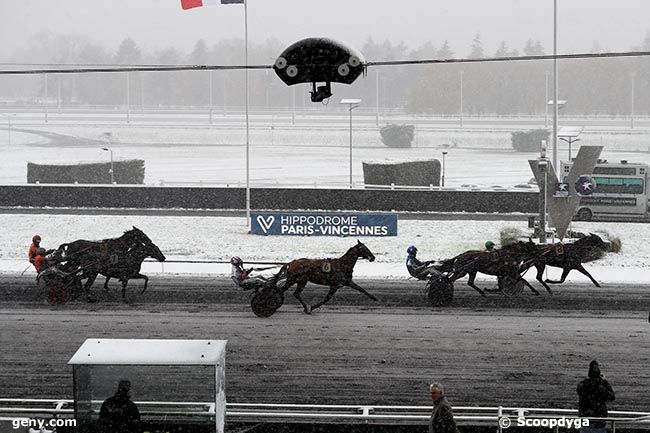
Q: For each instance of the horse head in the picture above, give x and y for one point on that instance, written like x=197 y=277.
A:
x=141 y=241
x=597 y=242
x=363 y=252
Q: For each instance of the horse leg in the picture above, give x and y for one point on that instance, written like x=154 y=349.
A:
x=124 y=283
x=358 y=288
x=327 y=297
x=89 y=282
x=470 y=282
x=106 y=283
x=540 y=274
x=565 y=272
x=297 y=292
x=583 y=271
x=527 y=284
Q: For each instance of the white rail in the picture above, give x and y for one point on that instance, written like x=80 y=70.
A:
x=12 y=408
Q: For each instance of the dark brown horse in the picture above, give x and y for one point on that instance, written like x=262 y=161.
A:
x=570 y=256
x=506 y=263
x=119 y=258
x=335 y=273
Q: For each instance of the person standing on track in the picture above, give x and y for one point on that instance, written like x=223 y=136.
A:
x=594 y=392
x=442 y=417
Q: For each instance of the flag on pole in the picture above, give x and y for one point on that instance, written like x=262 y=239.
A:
x=189 y=4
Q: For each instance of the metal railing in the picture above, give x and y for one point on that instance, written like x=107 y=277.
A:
x=13 y=408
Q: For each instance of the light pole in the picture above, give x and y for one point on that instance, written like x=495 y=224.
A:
x=444 y=155
x=461 y=99
x=9 y=128
x=107 y=149
x=352 y=104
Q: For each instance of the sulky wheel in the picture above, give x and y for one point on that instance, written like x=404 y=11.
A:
x=266 y=302
x=59 y=292
x=440 y=290
x=510 y=285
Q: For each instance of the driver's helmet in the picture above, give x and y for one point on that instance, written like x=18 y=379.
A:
x=236 y=260
x=411 y=250
x=489 y=245
x=36 y=238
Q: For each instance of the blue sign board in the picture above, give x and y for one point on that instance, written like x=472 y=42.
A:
x=323 y=224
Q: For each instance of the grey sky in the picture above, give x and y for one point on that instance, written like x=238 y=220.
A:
x=155 y=24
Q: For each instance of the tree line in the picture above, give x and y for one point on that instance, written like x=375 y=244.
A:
x=602 y=86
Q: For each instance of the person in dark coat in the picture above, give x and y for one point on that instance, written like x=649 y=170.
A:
x=119 y=414
x=442 y=417
x=594 y=392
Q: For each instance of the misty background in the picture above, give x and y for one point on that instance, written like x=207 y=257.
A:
x=159 y=32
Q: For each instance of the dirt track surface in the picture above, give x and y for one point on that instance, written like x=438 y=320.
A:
x=521 y=351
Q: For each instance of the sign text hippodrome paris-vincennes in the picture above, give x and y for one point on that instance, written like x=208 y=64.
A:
x=323 y=224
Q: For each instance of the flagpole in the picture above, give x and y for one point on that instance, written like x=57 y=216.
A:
x=248 y=186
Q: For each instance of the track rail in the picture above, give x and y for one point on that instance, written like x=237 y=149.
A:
x=12 y=408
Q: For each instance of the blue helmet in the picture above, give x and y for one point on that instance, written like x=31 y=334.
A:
x=411 y=250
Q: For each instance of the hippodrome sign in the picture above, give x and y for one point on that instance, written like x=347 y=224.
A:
x=323 y=224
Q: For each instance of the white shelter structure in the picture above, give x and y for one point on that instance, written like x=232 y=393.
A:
x=168 y=373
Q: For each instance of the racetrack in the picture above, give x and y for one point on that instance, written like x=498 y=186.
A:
x=521 y=351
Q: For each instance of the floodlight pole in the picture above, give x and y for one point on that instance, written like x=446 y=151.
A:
x=248 y=165
x=351 y=108
x=632 y=104
x=555 y=92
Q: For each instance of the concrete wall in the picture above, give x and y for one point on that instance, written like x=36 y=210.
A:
x=145 y=197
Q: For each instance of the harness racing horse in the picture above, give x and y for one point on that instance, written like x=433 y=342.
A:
x=119 y=258
x=505 y=263
x=570 y=256
x=335 y=273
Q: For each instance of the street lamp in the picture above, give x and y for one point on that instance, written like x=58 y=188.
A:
x=352 y=104
x=444 y=154
x=111 y=170
x=9 y=128
x=570 y=135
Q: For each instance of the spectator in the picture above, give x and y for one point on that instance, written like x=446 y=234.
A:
x=119 y=414
x=594 y=392
x=442 y=417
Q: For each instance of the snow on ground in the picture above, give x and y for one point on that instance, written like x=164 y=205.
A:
x=292 y=156
x=219 y=238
